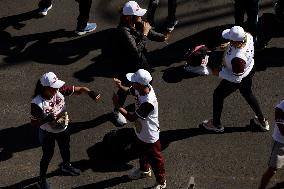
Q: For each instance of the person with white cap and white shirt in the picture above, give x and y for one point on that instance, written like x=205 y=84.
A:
x=129 y=47
x=48 y=113
x=147 y=126
x=276 y=160
x=236 y=74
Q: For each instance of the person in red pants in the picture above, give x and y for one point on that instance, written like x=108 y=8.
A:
x=147 y=126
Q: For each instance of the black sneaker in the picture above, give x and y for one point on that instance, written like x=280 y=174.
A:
x=43 y=184
x=69 y=169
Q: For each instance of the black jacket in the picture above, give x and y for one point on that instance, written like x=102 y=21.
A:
x=130 y=47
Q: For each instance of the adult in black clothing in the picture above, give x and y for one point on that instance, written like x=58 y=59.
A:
x=83 y=26
x=129 y=46
x=251 y=8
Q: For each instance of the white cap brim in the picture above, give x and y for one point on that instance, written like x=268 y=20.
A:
x=130 y=77
x=226 y=34
x=141 y=12
x=58 y=84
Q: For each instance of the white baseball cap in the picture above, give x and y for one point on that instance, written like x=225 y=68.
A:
x=141 y=76
x=131 y=8
x=236 y=33
x=50 y=80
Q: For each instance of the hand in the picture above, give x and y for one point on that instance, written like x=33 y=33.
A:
x=115 y=101
x=49 y=118
x=146 y=28
x=94 y=95
x=117 y=82
x=224 y=45
x=167 y=35
x=63 y=120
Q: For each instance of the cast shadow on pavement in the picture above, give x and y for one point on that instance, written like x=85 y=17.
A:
x=120 y=151
x=16 y=20
x=25 y=137
x=18 y=49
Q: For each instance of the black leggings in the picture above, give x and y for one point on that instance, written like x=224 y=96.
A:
x=47 y=141
x=225 y=88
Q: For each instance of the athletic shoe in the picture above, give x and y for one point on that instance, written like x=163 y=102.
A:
x=171 y=26
x=264 y=125
x=69 y=169
x=208 y=124
x=120 y=119
x=43 y=11
x=42 y=184
x=160 y=186
x=137 y=174
x=89 y=28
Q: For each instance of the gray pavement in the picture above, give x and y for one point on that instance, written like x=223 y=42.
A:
x=30 y=46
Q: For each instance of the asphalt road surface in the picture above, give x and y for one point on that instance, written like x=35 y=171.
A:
x=30 y=46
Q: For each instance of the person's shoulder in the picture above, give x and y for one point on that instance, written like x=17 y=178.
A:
x=280 y=105
x=123 y=28
x=37 y=99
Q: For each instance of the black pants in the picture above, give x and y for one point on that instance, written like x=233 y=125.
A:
x=225 y=88
x=153 y=5
x=250 y=7
x=47 y=141
x=84 y=11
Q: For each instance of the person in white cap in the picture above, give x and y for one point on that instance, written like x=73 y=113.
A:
x=147 y=126
x=129 y=47
x=276 y=160
x=48 y=113
x=236 y=74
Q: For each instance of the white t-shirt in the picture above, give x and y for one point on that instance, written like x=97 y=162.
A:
x=147 y=125
x=54 y=105
x=279 y=122
x=235 y=73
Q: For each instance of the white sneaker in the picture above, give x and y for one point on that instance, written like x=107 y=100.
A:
x=120 y=119
x=264 y=125
x=208 y=124
x=160 y=186
x=44 y=11
x=137 y=174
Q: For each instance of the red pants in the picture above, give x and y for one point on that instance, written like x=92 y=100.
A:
x=150 y=156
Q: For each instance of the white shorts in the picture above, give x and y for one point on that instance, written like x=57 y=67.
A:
x=277 y=155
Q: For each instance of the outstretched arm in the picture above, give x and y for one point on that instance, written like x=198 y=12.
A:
x=85 y=90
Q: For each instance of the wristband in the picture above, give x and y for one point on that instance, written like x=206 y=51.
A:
x=94 y=95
